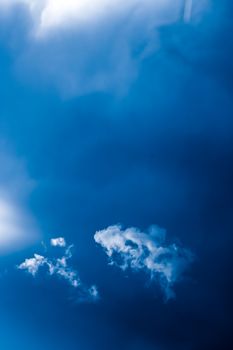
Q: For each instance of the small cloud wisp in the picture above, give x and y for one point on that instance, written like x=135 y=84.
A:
x=131 y=248
x=61 y=268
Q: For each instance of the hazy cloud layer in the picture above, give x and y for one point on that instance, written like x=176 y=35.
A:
x=63 y=36
x=50 y=15
x=60 y=267
x=131 y=248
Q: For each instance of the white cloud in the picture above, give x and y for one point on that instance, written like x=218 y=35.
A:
x=17 y=226
x=60 y=267
x=131 y=248
x=58 y=242
x=33 y=264
x=81 y=46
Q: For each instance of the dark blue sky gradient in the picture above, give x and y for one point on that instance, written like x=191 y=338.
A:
x=160 y=154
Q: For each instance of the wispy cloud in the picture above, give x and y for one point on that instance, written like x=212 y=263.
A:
x=188 y=7
x=137 y=250
x=60 y=267
x=33 y=264
x=65 y=35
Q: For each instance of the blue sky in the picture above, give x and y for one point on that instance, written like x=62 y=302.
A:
x=116 y=174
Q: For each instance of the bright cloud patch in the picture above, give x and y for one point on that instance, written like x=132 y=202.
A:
x=131 y=248
x=17 y=227
x=60 y=267
x=33 y=264
x=65 y=35
x=58 y=242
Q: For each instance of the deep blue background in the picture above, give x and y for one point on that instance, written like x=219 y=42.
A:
x=161 y=155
